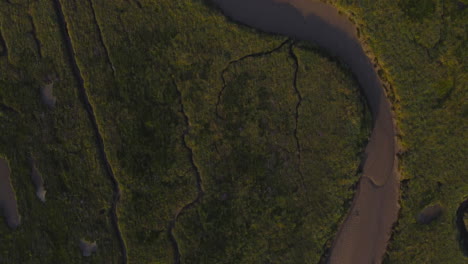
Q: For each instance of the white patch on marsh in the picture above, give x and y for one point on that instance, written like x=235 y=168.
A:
x=40 y=193
x=47 y=93
x=38 y=181
x=87 y=248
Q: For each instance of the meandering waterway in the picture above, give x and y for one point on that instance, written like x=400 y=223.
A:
x=364 y=235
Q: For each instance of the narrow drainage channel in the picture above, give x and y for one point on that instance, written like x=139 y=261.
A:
x=33 y=33
x=252 y=55
x=199 y=182
x=101 y=38
x=8 y=203
x=292 y=54
x=89 y=109
x=462 y=225
x=3 y=46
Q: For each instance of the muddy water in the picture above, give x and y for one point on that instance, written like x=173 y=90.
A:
x=7 y=197
x=364 y=235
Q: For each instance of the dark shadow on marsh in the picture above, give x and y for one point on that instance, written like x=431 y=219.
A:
x=8 y=203
x=3 y=47
x=462 y=212
x=429 y=214
x=7 y=109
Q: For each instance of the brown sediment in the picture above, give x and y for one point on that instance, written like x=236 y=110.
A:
x=8 y=203
x=364 y=235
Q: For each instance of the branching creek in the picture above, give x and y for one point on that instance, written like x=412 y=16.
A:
x=364 y=235
x=200 y=190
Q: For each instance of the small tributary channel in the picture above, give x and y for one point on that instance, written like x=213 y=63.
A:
x=364 y=235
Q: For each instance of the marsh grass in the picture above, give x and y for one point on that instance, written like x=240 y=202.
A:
x=422 y=47
x=276 y=174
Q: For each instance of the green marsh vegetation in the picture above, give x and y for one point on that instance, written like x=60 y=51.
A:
x=422 y=47
x=153 y=56
x=61 y=140
x=272 y=180
x=275 y=138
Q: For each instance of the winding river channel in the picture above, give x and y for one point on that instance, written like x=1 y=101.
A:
x=364 y=235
